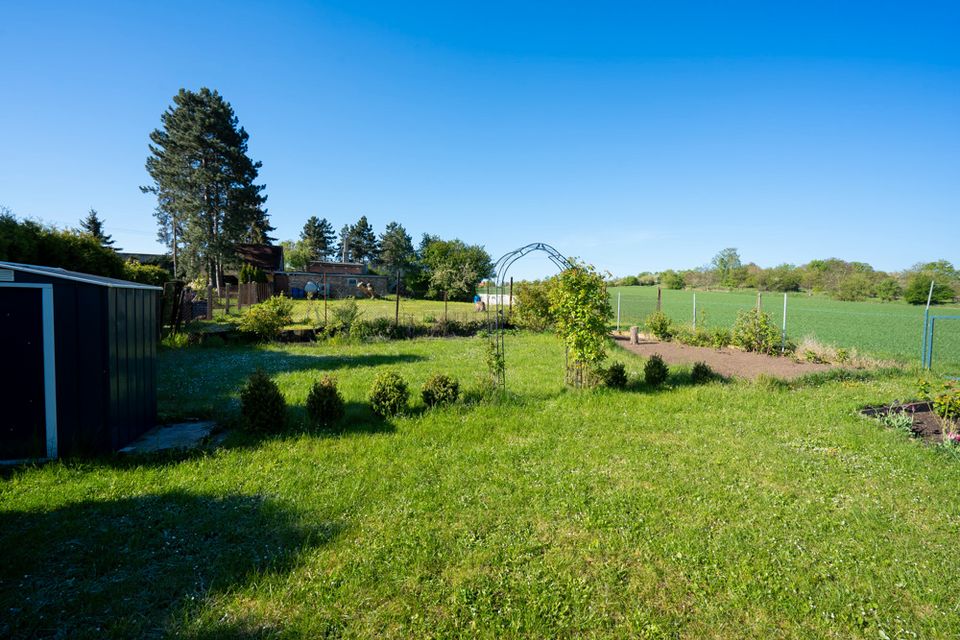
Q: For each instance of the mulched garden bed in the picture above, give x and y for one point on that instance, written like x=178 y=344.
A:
x=926 y=424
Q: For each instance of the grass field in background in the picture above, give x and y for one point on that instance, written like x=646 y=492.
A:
x=884 y=329
x=310 y=311
x=718 y=511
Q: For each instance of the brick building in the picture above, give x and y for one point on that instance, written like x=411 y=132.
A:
x=342 y=280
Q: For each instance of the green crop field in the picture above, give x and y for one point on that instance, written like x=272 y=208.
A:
x=883 y=329
x=718 y=511
x=311 y=311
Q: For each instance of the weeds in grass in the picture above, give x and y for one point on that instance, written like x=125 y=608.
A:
x=809 y=349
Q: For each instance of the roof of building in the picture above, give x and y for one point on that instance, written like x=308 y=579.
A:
x=264 y=256
x=57 y=272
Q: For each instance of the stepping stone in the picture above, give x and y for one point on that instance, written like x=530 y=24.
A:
x=183 y=435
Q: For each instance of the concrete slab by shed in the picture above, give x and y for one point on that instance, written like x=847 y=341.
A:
x=183 y=435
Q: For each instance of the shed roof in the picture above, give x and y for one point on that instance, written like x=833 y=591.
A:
x=57 y=272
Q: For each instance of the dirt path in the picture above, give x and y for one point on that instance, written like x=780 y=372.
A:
x=726 y=362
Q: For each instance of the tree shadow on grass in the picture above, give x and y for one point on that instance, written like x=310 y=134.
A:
x=133 y=567
x=199 y=383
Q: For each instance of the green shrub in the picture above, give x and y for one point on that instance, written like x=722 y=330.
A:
x=615 y=376
x=268 y=318
x=720 y=337
x=145 y=273
x=946 y=403
x=755 y=331
x=324 y=402
x=699 y=337
x=440 y=389
x=249 y=273
x=701 y=373
x=532 y=309
x=262 y=407
x=388 y=394
x=343 y=316
x=655 y=371
x=918 y=288
x=660 y=325
x=175 y=340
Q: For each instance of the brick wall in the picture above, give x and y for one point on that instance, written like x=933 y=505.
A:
x=340 y=285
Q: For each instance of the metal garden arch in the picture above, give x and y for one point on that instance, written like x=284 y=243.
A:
x=502 y=268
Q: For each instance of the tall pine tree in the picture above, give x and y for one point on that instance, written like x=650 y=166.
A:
x=396 y=247
x=319 y=237
x=205 y=183
x=362 y=245
x=93 y=225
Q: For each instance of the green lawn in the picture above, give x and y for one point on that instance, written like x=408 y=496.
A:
x=718 y=511
x=884 y=329
x=310 y=313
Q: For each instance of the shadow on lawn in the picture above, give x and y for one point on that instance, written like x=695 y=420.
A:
x=199 y=383
x=135 y=567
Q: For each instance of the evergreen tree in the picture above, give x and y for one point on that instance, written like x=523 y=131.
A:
x=93 y=226
x=342 y=250
x=205 y=183
x=362 y=242
x=319 y=237
x=396 y=247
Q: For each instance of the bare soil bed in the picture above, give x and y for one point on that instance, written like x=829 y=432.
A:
x=926 y=425
x=730 y=363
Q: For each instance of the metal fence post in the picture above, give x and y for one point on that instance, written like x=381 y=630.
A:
x=783 y=332
x=694 y=310
x=926 y=327
x=618 y=310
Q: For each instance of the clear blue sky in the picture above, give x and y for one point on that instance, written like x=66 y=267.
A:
x=638 y=136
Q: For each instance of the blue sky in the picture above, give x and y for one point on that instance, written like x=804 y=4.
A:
x=638 y=136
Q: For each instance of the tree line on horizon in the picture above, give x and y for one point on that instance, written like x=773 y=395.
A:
x=842 y=280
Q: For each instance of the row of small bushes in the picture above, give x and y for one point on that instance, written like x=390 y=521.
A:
x=754 y=331
x=655 y=373
x=263 y=408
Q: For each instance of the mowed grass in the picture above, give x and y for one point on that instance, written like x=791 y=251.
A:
x=310 y=312
x=890 y=330
x=717 y=511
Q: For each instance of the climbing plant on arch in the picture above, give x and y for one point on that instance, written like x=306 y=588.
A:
x=578 y=305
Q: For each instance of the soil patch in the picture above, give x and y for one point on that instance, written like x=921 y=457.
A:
x=730 y=363
x=926 y=424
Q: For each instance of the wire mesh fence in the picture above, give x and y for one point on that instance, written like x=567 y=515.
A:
x=881 y=329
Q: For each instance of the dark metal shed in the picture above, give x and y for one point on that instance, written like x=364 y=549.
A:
x=78 y=371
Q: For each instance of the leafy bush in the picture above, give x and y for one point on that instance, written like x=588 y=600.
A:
x=655 y=371
x=889 y=289
x=580 y=309
x=344 y=316
x=440 y=389
x=615 y=376
x=660 y=325
x=268 y=318
x=388 y=394
x=945 y=401
x=324 y=402
x=699 y=337
x=31 y=242
x=755 y=331
x=918 y=287
x=532 y=309
x=262 y=407
x=701 y=373
x=672 y=280
x=175 y=340
x=720 y=337
x=145 y=273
